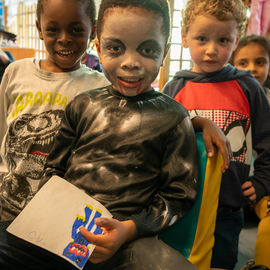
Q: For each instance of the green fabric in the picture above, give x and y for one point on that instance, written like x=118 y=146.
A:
x=181 y=235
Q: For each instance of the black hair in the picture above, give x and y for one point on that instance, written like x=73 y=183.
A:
x=160 y=7
x=90 y=9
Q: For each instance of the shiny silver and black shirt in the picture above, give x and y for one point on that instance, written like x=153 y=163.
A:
x=136 y=155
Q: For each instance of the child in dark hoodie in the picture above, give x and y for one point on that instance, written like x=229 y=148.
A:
x=236 y=102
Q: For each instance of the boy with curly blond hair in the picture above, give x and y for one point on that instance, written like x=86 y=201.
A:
x=236 y=102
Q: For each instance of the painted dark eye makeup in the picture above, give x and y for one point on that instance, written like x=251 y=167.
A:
x=112 y=47
x=150 y=49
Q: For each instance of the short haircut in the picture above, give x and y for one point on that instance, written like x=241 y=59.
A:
x=160 y=7
x=90 y=9
x=222 y=10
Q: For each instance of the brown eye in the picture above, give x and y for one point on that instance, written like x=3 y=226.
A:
x=148 y=51
x=114 y=49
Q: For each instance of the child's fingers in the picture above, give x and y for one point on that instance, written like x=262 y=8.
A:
x=249 y=191
x=99 y=239
x=99 y=255
x=86 y=234
x=223 y=147
x=246 y=185
x=226 y=153
x=252 y=197
x=107 y=223
x=209 y=147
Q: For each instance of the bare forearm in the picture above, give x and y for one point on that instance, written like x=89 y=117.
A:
x=199 y=123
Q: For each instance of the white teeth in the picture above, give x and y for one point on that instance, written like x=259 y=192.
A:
x=130 y=80
x=65 y=53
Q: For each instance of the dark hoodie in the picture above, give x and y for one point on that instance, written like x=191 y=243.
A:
x=235 y=101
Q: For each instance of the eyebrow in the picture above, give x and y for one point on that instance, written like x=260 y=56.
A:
x=116 y=40
x=70 y=24
x=151 y=41
x=257 y=58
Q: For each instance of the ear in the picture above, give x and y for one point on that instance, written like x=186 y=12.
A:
x=236 y=42
x=39 y=30
x=184 y=38
x=97 y=43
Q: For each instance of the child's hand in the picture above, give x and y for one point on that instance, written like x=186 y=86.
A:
x=116 y=233
x=249 y=191
x=213 y=136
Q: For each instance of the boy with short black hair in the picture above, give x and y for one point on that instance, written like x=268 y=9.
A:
x=130 y=147
x=236 y=102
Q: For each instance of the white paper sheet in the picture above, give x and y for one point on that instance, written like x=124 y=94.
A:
x=52 y=219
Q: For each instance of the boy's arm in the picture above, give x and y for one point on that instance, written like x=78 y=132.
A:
x=213 y=137
x=178 y=182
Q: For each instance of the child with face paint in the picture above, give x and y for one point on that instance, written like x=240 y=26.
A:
x=128 y=146
x=133 y=148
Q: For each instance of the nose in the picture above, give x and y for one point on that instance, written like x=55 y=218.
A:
x=64 y=37
x=252 y=67
x=211 y=48
x=130 y=61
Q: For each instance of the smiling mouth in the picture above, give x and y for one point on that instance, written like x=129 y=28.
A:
x=129 y=82
x=65 y=53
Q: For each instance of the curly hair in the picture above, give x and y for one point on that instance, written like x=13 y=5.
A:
x=223 y=10
x=89 y=4
x=160 y=7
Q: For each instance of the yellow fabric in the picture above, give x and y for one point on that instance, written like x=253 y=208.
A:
x=262 y=248
x=261 y=207
x=201 y=252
